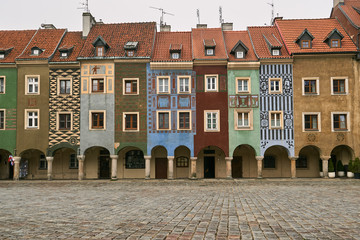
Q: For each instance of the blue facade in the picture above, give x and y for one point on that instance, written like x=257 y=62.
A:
x=172 y=102
x=282 y=102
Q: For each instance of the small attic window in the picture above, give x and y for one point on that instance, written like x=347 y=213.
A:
x=305 y=43
x=335 y=43
x=4 y=52
x=239 y=50
x=36 y=51
x=209 y=47
x=100 y=51
x=210 y=52
x=239 y=54
x=2 y=55
x=275 y=52
x=130 y=53
x=305 y=39
x=100 y=46
x=175 y=50
x=175 y=55
x=333 y=39
x=64 y=54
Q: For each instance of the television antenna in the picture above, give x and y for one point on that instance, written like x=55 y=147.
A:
x=272 y=11
x=220 y=15
x=162 y=15
x=198 y=15
x=85 y=6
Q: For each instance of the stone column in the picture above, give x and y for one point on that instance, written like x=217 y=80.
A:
x=16 y=168
x=293 y=166
x=228 y=167
x=114 y=159
x=325 y=164
x=193 y=168
x=259 y=160
x=147 y=167
x=81 y=159
x=170 y=167
x=49 y=167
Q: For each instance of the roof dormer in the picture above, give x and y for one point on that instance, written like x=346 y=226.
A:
x=209 y=45
x=65 y=51
x=35 y=51
x=175 y=51
x=333 y=39
x=130 y=48
x=239 y=50
x=305 y=39
x=273 y=44
x=100 y=46
x=4 y=52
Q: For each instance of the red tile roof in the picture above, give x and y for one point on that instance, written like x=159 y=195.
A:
x=175 y=41
x=319 y=28
x=232 y=38
x=349 y=9
x=73 y=41
x=17 y=40
x=200 y=35
x=45 y=39
x=117 y=35
x=258 y=36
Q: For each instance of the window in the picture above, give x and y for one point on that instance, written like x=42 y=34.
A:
x=239 y=54
x=275 y=52
x=182 y=162
x=2 y=85
x=64 y=86
x=242 y=85
x=301 y=162
x=43 y=162
x=184 y=84
x=98 y=120
x=64 y=54
x=243 y=119
x=130 y=53
x=340 y=122
x=32 y=119
x=2 y=56
x=335 y=43
x=130 y=86
x=74 y=162
x=275 y=85
x=275 y=120
x=175 y=55
x=212 y=121
x=211 y=84
x=163 y=84
x=310 y=86
x=269 y=162
x=339 y=86
x=97 y=85
x=35 y=52
x=210 y=52
x=184 y=120
x=64 y=120
x=305 y=43
x=131 y=121
x=100 y=51
x=32 y=85
x=311 y=121
x=134 y=160
x=163 y=120
x=2 y=119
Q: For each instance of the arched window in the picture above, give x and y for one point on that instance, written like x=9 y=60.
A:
x=134 y=159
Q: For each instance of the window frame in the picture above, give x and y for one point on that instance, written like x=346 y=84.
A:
x=4 y=121
x=59 y=86
x=27 y=84
x=318 y=114
x=275 y=52
x=347 y=114
x=158 y=85
x=137 y=122
x=178 y=120
x=76 y=162
x=131 y=80
x=238 y=53
x=217 y=112
x=280 y=85
x=43 y=159
x=178 y=84
x=305 y=41
x=182 y=162
x=333 y=41
x=216 y=82
x=346 y=92
x=207 y=53
x=4 y=84
x=236 y=119
x=300 y=167
x=102 y=52
x=27 y=111
x=281 y=120
x=91 y=112
x=157 y=121
x=174 y=54
x=97 y=78
x=248 y=79
x=58 y=121
x=267 y=158
x=316 y=79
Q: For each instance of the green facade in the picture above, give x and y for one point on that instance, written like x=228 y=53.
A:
x=244 y=137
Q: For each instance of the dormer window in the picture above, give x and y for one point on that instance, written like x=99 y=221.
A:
x=65 y=51
x=210 y=52
x=239 y=54
x=209 y=45
x=239 y=50
x=101 y=47
x=64 y=54
x=305 y=39
x=4 y=52
x=333 y=39
x=100 y=51
x=175 y=55
x=130 y=53
x=2 y=55
x=275 y=52
x=305 y=43
x=130 y=48
x=335 y=43
x=36 y=51
x=175 y=50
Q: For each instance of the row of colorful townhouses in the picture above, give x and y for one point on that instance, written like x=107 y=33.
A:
x=125 y=101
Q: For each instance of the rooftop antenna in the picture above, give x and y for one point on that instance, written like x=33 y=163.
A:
x=162 y=15
x=272 y=11
x=220 y=15
x=198 y=15
x=85 y=6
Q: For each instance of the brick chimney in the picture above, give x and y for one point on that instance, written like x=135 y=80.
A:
x=88 y=22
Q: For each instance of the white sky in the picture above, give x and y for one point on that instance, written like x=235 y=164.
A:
x=30 y=14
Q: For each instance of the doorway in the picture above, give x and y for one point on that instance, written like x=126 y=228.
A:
x=209 y=167
x=161 y=168
x=236 y=167
x=104 y=164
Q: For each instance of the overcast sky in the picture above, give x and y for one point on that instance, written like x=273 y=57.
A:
x=30 y=14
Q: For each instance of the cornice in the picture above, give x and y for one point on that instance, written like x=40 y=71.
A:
x=171 y=65
x=243 y=65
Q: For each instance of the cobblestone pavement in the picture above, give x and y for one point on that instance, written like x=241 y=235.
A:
x=181 y=209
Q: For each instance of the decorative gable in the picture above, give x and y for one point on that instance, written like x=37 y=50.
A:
x=239 y=50
x=35 y=51
x=100 y=46
x=305 y=39
x=4 y=52
x=209 y=45
x=333 y=39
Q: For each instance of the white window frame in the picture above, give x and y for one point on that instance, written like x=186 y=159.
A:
x=2 y=55
x=90 y=120
x=248 y=79
x=59 y=86
x=317 y=86
x=58 y=121
x=175 y=55
x=179 y=87
x=158 y=85
x=3 y=110
x=217 y=112
x=347 y=121
x=346 y=86
x=319 y=121
x=281 y=120
x=240 y=54
x=275 y=52
x=35 y=52
x=124 y=122
x=137 y=86
x=280 y=85
x=27 y=84
x=216 y=82
x=27 y=111
x=236 y=118
x=210 y=52
x=4 y=87
x=157 y=121
x=178 y=120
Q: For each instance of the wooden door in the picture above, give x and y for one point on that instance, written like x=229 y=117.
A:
x=161 y=165
x=236 y=167
x=104 y=167
x=209 y=167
